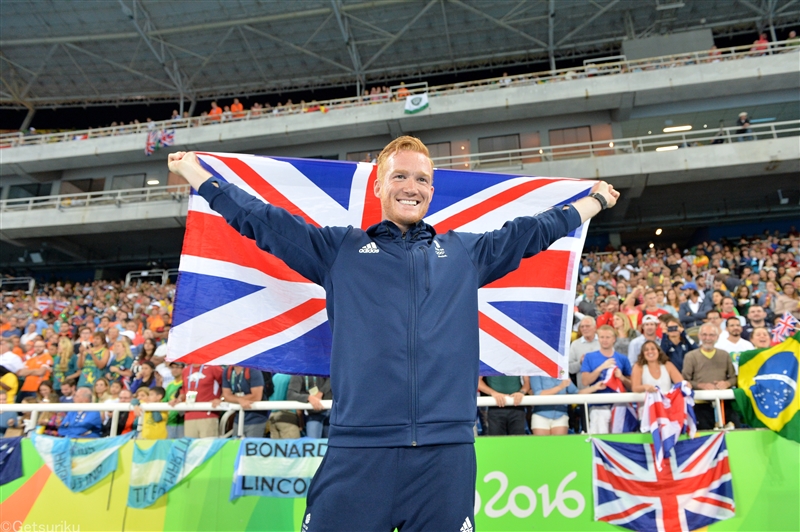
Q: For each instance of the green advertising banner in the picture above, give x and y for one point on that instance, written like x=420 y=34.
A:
x=545 y=483
x=524 y=483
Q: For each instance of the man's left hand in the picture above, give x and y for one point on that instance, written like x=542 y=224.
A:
x=517 y=397
x=607 y=191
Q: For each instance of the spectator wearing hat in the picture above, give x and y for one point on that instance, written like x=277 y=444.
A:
x=691 y=311
x=649 y=328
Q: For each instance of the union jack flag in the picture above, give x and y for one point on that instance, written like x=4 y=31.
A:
x=784 y=327
x=167 y=137
x=623 y=415
x=151 y=143
x=667 y=415
x=692 y=491
x=236 y=304
x=157 y=139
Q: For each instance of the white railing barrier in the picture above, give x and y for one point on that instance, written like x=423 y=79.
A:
x=497 y=159
x=531 y=400
x=176 y=193
x=5 y=282
x=591 y=68
x=517 y=157
x=162 y=276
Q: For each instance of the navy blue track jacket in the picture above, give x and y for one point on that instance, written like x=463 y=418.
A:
x=403 y=310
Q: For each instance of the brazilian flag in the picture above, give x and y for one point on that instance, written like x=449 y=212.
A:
x=767 y=395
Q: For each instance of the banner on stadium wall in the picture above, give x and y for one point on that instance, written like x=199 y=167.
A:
x=523 y=483
x=276 y=468
x=160 y=468
x=80 y=464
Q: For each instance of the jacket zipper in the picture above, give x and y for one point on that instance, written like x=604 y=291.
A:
x=412 y=337
x=427 y=269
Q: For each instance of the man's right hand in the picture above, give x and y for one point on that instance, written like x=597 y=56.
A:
x=608 y=363
x=315 y=402
x=187 y=165
x=499 y=398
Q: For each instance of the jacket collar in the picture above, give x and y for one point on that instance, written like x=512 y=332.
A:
x=386 y=229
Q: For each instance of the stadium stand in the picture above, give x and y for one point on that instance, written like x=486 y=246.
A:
x=82 y=204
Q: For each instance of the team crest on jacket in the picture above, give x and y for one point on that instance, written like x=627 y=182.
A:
x=439 y=250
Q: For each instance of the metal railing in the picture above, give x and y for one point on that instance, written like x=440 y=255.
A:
x=119 y=198
x=496 y=160
x=664 y=142
x=5 y=282
x=714 y=396
x=591 y=68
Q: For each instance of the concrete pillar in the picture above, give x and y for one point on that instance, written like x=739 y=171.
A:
x=28 y=119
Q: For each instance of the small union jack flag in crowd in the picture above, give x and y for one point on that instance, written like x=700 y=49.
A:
x=623 y=415
x=157 y=139
x=667 y=415
x=693 y=489
x=237 y=304
x=785 y=326
x=151 y=143
x=44 y=303
x=167 y=137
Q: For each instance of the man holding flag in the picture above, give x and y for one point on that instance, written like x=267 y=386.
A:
x=405 y=349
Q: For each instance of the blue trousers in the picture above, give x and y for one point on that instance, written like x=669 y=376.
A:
x=428 y=488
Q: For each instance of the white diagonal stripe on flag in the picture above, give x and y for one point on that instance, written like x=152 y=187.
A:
x=276 y=340
x=475 y=199
x=551 y=295
x=199 y=204
x=520 y=332
x=358 y=191
x=531 y=203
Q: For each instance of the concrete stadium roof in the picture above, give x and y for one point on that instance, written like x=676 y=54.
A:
x=56 y=54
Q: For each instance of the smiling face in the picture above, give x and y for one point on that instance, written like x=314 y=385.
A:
x=405 y=188
x=650 y=352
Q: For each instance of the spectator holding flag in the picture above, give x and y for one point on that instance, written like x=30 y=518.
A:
x=653 y=369
x=760 y=338
x=603 y=365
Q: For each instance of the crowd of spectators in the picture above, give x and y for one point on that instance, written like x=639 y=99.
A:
x=653 y=318
x=647 y=318
x=103 y=342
